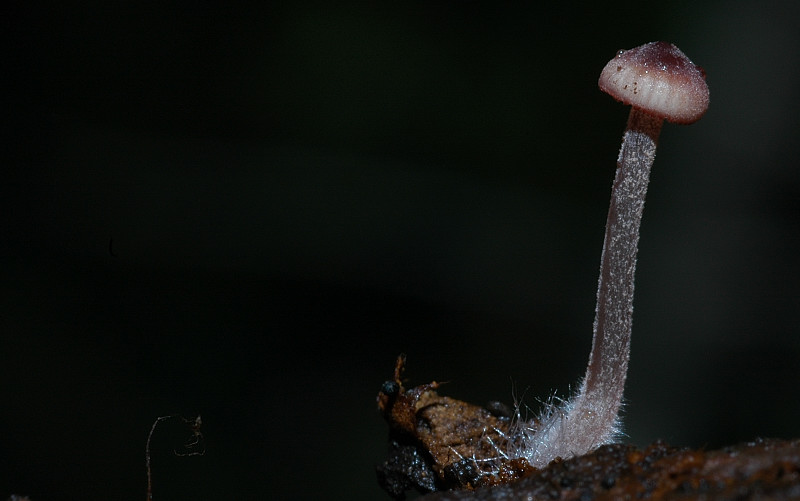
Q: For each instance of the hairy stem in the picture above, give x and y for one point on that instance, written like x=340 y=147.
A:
x=589 y=419
x=602 y=388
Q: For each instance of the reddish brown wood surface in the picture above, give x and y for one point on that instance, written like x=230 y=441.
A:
x=452 y=450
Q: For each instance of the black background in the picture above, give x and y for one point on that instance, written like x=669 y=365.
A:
x=247 y=211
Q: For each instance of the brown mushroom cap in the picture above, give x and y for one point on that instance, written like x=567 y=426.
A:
x=658 y=79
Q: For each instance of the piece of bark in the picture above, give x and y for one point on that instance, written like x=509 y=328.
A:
x=439 y=443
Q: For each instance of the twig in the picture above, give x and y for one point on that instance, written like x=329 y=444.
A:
x=195 y=441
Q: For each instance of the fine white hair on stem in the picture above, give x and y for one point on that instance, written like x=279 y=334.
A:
x=590 y=418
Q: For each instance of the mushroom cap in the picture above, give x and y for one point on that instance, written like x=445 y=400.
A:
x=658 y=79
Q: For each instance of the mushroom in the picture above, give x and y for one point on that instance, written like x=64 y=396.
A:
x=660 y=83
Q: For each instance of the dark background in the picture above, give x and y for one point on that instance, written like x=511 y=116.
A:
x=247 y=212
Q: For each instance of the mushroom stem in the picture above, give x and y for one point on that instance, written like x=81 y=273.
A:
x=589 y=419
x=602 y=388
x=659 y=82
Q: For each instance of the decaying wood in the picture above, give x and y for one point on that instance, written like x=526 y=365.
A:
x=764 y=469
x=453 y=450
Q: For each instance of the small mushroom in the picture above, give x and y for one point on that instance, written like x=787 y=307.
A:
x=469 y=446
x=660 y=83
